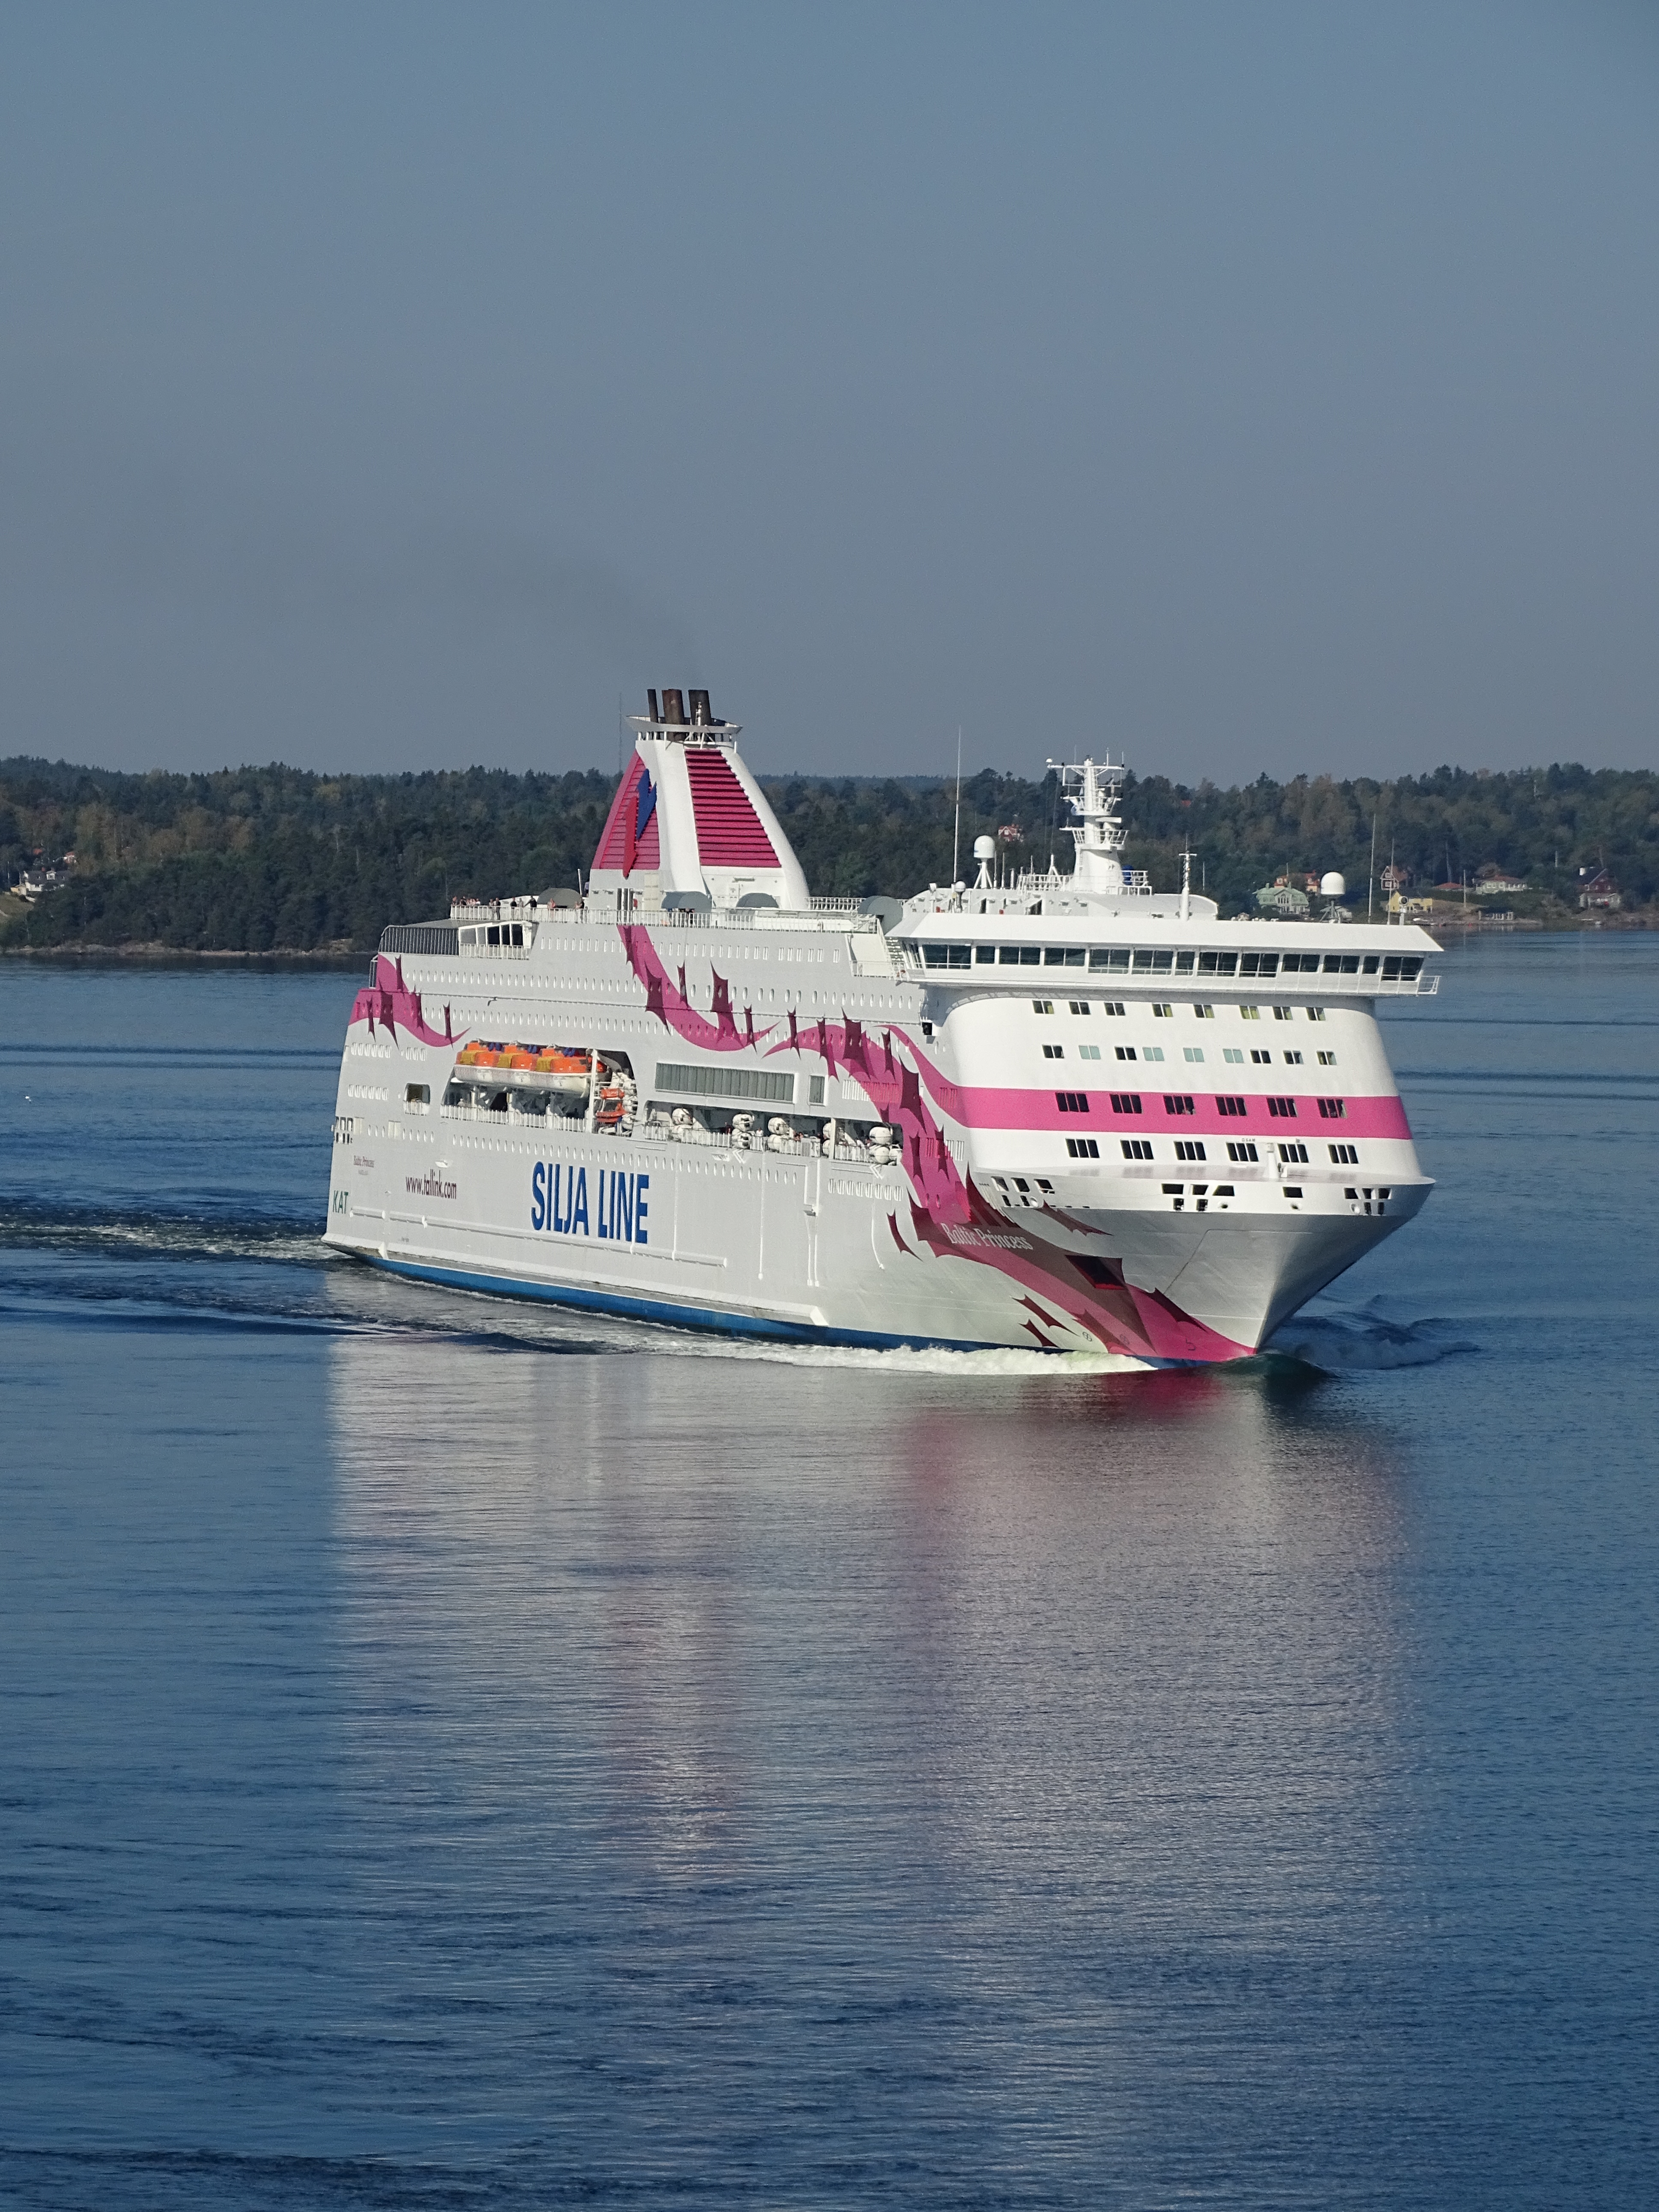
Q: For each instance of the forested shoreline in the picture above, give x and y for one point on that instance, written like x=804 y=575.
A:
x=276 y=859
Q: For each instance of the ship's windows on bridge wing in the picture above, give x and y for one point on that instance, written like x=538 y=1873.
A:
x=1294 y=1156
x=1154 y=963
x=1065 y=956
x=1106 y=960
x=1217 y=964
x=1072 y=1102
x=1369 y=965
x=1333 y=1110
x=1184 y=962
x=1242 y=1152
x=1235 y=1107
x=984 y=953
x=1082 y=1148
x=1136 y=1148
x=1400 y=967
x=1341 y=964
x=1282 y=1109
x=1258 y=963
x=1189 y=1148
x=948 y=956
x=1175 y=1103
x=1125 y=1101
x=1018 y=956
x=1299 y=963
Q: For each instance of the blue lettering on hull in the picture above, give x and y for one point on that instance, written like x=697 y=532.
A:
x=559 y=1204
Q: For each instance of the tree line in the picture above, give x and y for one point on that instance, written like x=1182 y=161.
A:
x=259 y=859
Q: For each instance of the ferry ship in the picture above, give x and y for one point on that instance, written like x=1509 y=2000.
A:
x=1060 y=1110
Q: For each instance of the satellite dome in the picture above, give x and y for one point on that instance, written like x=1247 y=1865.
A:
x=1333 y=886
x=985 y=848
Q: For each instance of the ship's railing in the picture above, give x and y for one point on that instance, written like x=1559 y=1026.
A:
x=795 y=1146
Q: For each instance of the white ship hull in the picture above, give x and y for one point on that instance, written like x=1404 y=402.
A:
x=938 y=1244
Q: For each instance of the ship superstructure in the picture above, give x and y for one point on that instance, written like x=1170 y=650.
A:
x=1063 y=1110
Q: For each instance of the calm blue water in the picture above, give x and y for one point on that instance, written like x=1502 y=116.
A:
x=452 y=1756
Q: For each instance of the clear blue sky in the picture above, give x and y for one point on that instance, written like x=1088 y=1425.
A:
x=1242 y=386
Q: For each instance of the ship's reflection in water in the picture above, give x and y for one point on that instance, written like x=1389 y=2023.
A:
x=847 y=1773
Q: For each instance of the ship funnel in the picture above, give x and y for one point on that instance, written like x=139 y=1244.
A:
x=700 y=714
x=652 y=697
x=673 y=708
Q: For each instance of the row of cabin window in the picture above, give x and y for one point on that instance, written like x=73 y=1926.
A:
x=1107 y=960
x=1178 y=1105
x=1193 y=1053
x=1191 y=1148
x=1165 y=1012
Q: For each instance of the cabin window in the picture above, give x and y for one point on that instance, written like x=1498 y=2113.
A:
x=1204 y=1013
x=1263 y=1059
x=1082 y=1148
x=1189 y=1148
x=1088 y=1052
x=1125 y=1101
x=417 y=1094
x=1194 y=1052
x=1333 y=1110
x=1293 y=1059
x=815 y=1091
x=1315 y=1013
x=1232 y=1055
x=1294 y=1156
x=1282 y=1109
x=1072 y=1102
x=1176 y=1102
x=1164 y=1013
x=1077 y=1005
x=1284 y=1014
x=1136 y=1148
x=1344 y=1156
x=1328 y=1059
x=1053 y=1051
x=1113 y=1007
x=1249 y=1013
x=1125 y=1051
x=1152 y=1052
x=1235 y=1108
x=1241 y=1153
x=1042 y=1005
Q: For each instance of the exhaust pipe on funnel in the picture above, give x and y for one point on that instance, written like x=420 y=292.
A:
x=700 y=714
x=673 y=708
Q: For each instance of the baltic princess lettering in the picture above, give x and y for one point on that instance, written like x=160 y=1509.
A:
x=1063 y=1111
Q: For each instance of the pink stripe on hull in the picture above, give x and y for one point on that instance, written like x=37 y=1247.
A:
x=981 y=1107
